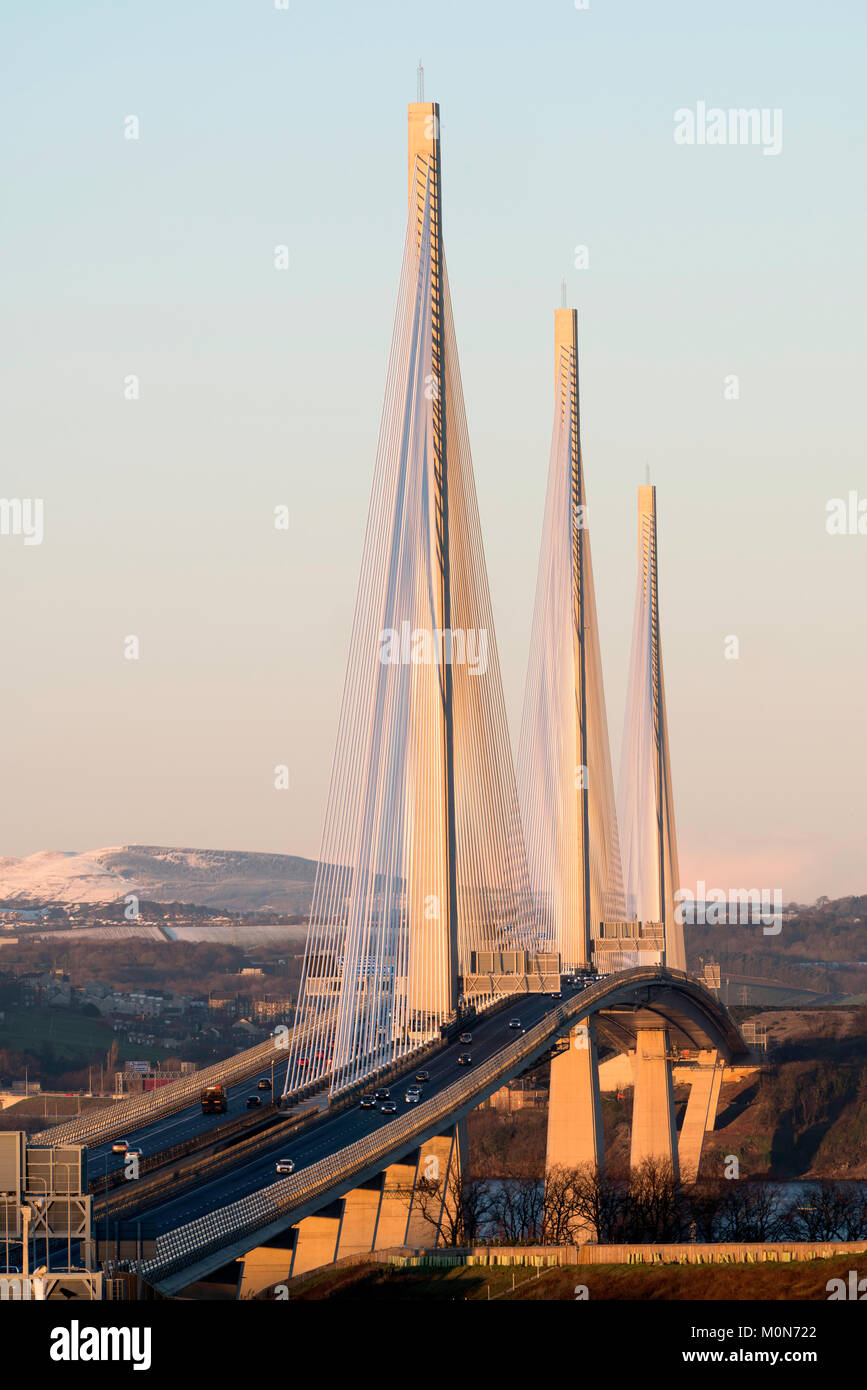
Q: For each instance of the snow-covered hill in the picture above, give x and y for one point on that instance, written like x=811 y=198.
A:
x=210 y=878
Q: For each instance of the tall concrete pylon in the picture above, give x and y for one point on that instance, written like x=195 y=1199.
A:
x=645 y=803
x=564 y=763
x=434 y=937
x=422 y=864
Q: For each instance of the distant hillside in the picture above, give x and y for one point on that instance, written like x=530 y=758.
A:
x=822 y=947
x=232 y=879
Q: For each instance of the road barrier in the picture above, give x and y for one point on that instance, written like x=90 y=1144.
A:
x=151 y=1163
x=183 y=1246
x=152 y=1105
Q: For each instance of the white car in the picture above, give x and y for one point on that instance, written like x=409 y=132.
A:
x=285 y=1165
x=120 y=1146
x=412 y=1097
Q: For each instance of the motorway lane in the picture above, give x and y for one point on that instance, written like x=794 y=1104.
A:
x=184 y=1124
x=335 y=1132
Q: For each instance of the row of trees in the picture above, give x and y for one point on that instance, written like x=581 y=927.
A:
x=645 y=1205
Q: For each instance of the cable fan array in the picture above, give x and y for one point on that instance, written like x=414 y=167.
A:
x=392 y=926
x=564 y=767
x=650 y=865
x=429 y=859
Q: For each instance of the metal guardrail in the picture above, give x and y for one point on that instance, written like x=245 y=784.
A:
x=104 y=1124
x=153 y=1105
x=183 y=1246
x=178 y=1248
x=210 y=1165
x=149 y=1165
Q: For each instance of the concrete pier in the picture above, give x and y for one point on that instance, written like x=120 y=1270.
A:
x=654 y=1130
x=700 y=1114
x=574 y=1108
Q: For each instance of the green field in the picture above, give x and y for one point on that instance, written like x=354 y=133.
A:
x=72 y=1037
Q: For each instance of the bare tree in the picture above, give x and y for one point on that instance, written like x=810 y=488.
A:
x=459 y=1208
x=657 y=1210
x=704 y=1201
x=752 y=1211
x=828 y=1211
x=518 y=1209
x=561 y=1215
x=601 y=1204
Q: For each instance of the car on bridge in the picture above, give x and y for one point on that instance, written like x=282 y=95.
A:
x=465 y=1060
x=413 y=1095
x=466 y=1037
x=367 y=1103
x=515 y=1023
x=120 y=1146
x=388 y=1108
x=382 y=1094
x=134 y=1153
x=285 y=1165
x=264 y=1084
x=253 y=1101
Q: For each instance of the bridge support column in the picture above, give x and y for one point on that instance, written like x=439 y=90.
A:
x=714 y=1097
x=394 y=1206
x=574 y=1107
x=316 y=1240
x=262 y=1267
x=700 y=1113
x=654 y=1129
x=439 y=1161
x=358 y=1224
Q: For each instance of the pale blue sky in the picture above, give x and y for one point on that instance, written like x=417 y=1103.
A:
x=154 y=257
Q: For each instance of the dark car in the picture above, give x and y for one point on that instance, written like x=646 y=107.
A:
x=466 y=1037
x=264 y=1084
x=382 y=1094
x=253 y=1101
x=367 y=1103
x=515 y=1023
x=465 y=1060
x=389 y=1108
x=422 y=1076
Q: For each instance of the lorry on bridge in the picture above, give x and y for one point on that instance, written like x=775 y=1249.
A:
x=214 y=1100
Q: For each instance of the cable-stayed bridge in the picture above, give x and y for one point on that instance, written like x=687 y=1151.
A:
x=445 y=905
x=422 y=866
